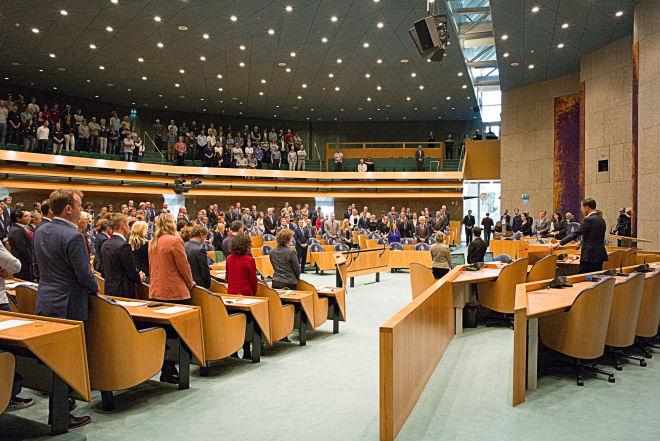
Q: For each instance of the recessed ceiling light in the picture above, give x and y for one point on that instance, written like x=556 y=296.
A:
x=114 y=2
x=88 y=80
x=288 y=8
x=299 y=97
x=333 y=18
x=109 y=28
x=96 y=96
x=619 y=13
x=160 y=45
x=35 y=30
x=61 y=69
x=515 y=64
x=428 y=60
x=464 y=86
x=535 y=9
x=177 y=85
x=242 y=47
x=261 y=94
x=331 y=75
x=378 y=88
x=181 y=71
x=404 y=60
x=380 y=25
x=531 y=66
x=206 y=36
x=219 y=76
x=560 y=45
x=379 y=61
x=504 y=37
x=505 y=55
x=202 y=58
x=368 y=98
x=337 y=89
x=367 y=75
x=40 y=70
x=64 y=12
x=287 y=70
x=92 y=46
x=233 y=18
x=102 y=67
x=241 y=64
x=157 y=18
x=421 y=87
x=564 y=26
x=292 y=54
x=271 y=31
x=413 y=74
x=304 y=86
x=365 y=45
x=408 y=98
x=324 y=40
x=339 y=61
x=448 y=98
x=281 y=64
x=182 y=28
x=263 y=81
x=51 y=55
x=54 y=88
x=460 y=74
x=220 y=89
x=144 y=78
x=109 y=84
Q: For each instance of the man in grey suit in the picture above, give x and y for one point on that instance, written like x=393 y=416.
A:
x=247 y=218
x=331 y=227
x=65 y=275
x=542 y=224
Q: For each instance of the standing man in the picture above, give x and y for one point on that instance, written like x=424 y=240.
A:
x=21 y=244
x=449 y=147
x=419 y=158
x=542 y=225
x=477 y=248
x=516 y=222
x=339 y=160
x=422 y=232
x=506 y=219
x=65 y=277
x=300 y=236
x=102 y=235
x=118 y=265
x=43 y=132
x=487 y=224
x=592 y=230
x=468 y=222
x=331 y=227
x=270 y=222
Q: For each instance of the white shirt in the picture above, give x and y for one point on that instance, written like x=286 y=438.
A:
x=362 y=167
x=119 y=235
x=42 y=133
x=339 y=156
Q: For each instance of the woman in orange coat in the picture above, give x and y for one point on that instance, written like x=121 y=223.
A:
x=169 y=271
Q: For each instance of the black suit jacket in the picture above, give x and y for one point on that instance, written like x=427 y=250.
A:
x=199 y=264
x=118 y=268
x=270 y=226
x=406 y=230
x=469 y=221
x=21 y=248
x=98 y=257
x=300 y=237
x=476 y=250
x=592 y=230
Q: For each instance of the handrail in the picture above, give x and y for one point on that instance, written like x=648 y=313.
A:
x=381 y=144
x=318 y=154
x=162 y=157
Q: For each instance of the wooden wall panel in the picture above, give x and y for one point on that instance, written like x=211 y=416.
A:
x=482 y=160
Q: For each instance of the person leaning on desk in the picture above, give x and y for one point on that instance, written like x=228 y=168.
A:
x=592 y=229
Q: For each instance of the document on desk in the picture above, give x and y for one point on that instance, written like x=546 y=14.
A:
x=325 y=290
x=172 y=310
x=13 y=285
x=13 y=323
x=129 y=304
x=283 y=292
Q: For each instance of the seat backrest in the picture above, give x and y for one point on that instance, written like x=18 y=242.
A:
x=629 y=258
x=218 y=287
x=396 y=246
x=26 y=299
x=7 y=366
x=407 y=241
x=422 y=247
x=649 y=312
x=500 y=295
x=313 y=240
x=320 y=304
x=421 y=277
x=544 y=269
x=581 y=331
x=624 y=314
x=340 y=246
x=381 y=241
x=268 y=237
x=614 y=259
x=502 y=258
x=281 y=317
x=100 y=281
x=257 y=241
x=266 y=250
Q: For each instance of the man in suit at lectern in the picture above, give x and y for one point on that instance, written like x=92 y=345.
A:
x=592 y=229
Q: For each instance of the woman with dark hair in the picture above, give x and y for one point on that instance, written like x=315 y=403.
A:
x=241 y=268
x=526 y=225
x=557 y=226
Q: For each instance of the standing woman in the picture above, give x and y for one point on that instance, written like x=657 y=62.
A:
x=286 y=267
x=241 y=268
x=441 y=256
x=170 y=275
x=129 y=146
x=140 y=246
x=219 y=234
x=181 y=149
x=83 y=136
x=346 y=234
x=293 y=158
x=138 y=152
x=69 y=134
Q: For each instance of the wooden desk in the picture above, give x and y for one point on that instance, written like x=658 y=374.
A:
x=7 y=368
x=304 y=304
x=403 y=259
x=219 y=274
x=367 y=261
x=258 y=323
x=324 y=260
x=460 y=282
x=57 y=344
x=337 y=299
x=184 y=326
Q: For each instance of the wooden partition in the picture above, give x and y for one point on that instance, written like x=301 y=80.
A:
x=412 y=343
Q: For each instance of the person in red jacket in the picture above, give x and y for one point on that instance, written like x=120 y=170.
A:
x=241 y=269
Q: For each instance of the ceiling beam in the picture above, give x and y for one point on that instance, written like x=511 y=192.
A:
x=467 y=11
x=482 y=64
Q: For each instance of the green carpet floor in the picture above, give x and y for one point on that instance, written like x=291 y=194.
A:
x=328 y=390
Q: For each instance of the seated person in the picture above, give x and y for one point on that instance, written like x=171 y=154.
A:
x=284 y=259
x=441 y=256
x=477 y=249
x=241 y=269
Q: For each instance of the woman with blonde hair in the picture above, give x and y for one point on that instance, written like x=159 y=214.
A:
x=140 y=246
x=346 y=233
x=441 y=255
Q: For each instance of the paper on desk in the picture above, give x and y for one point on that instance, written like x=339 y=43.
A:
x=134 y=304
x=324 y=289
x=284 y=292
x=248 y=301
x=13 y=285
x=172 y=310
x=13 y=323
